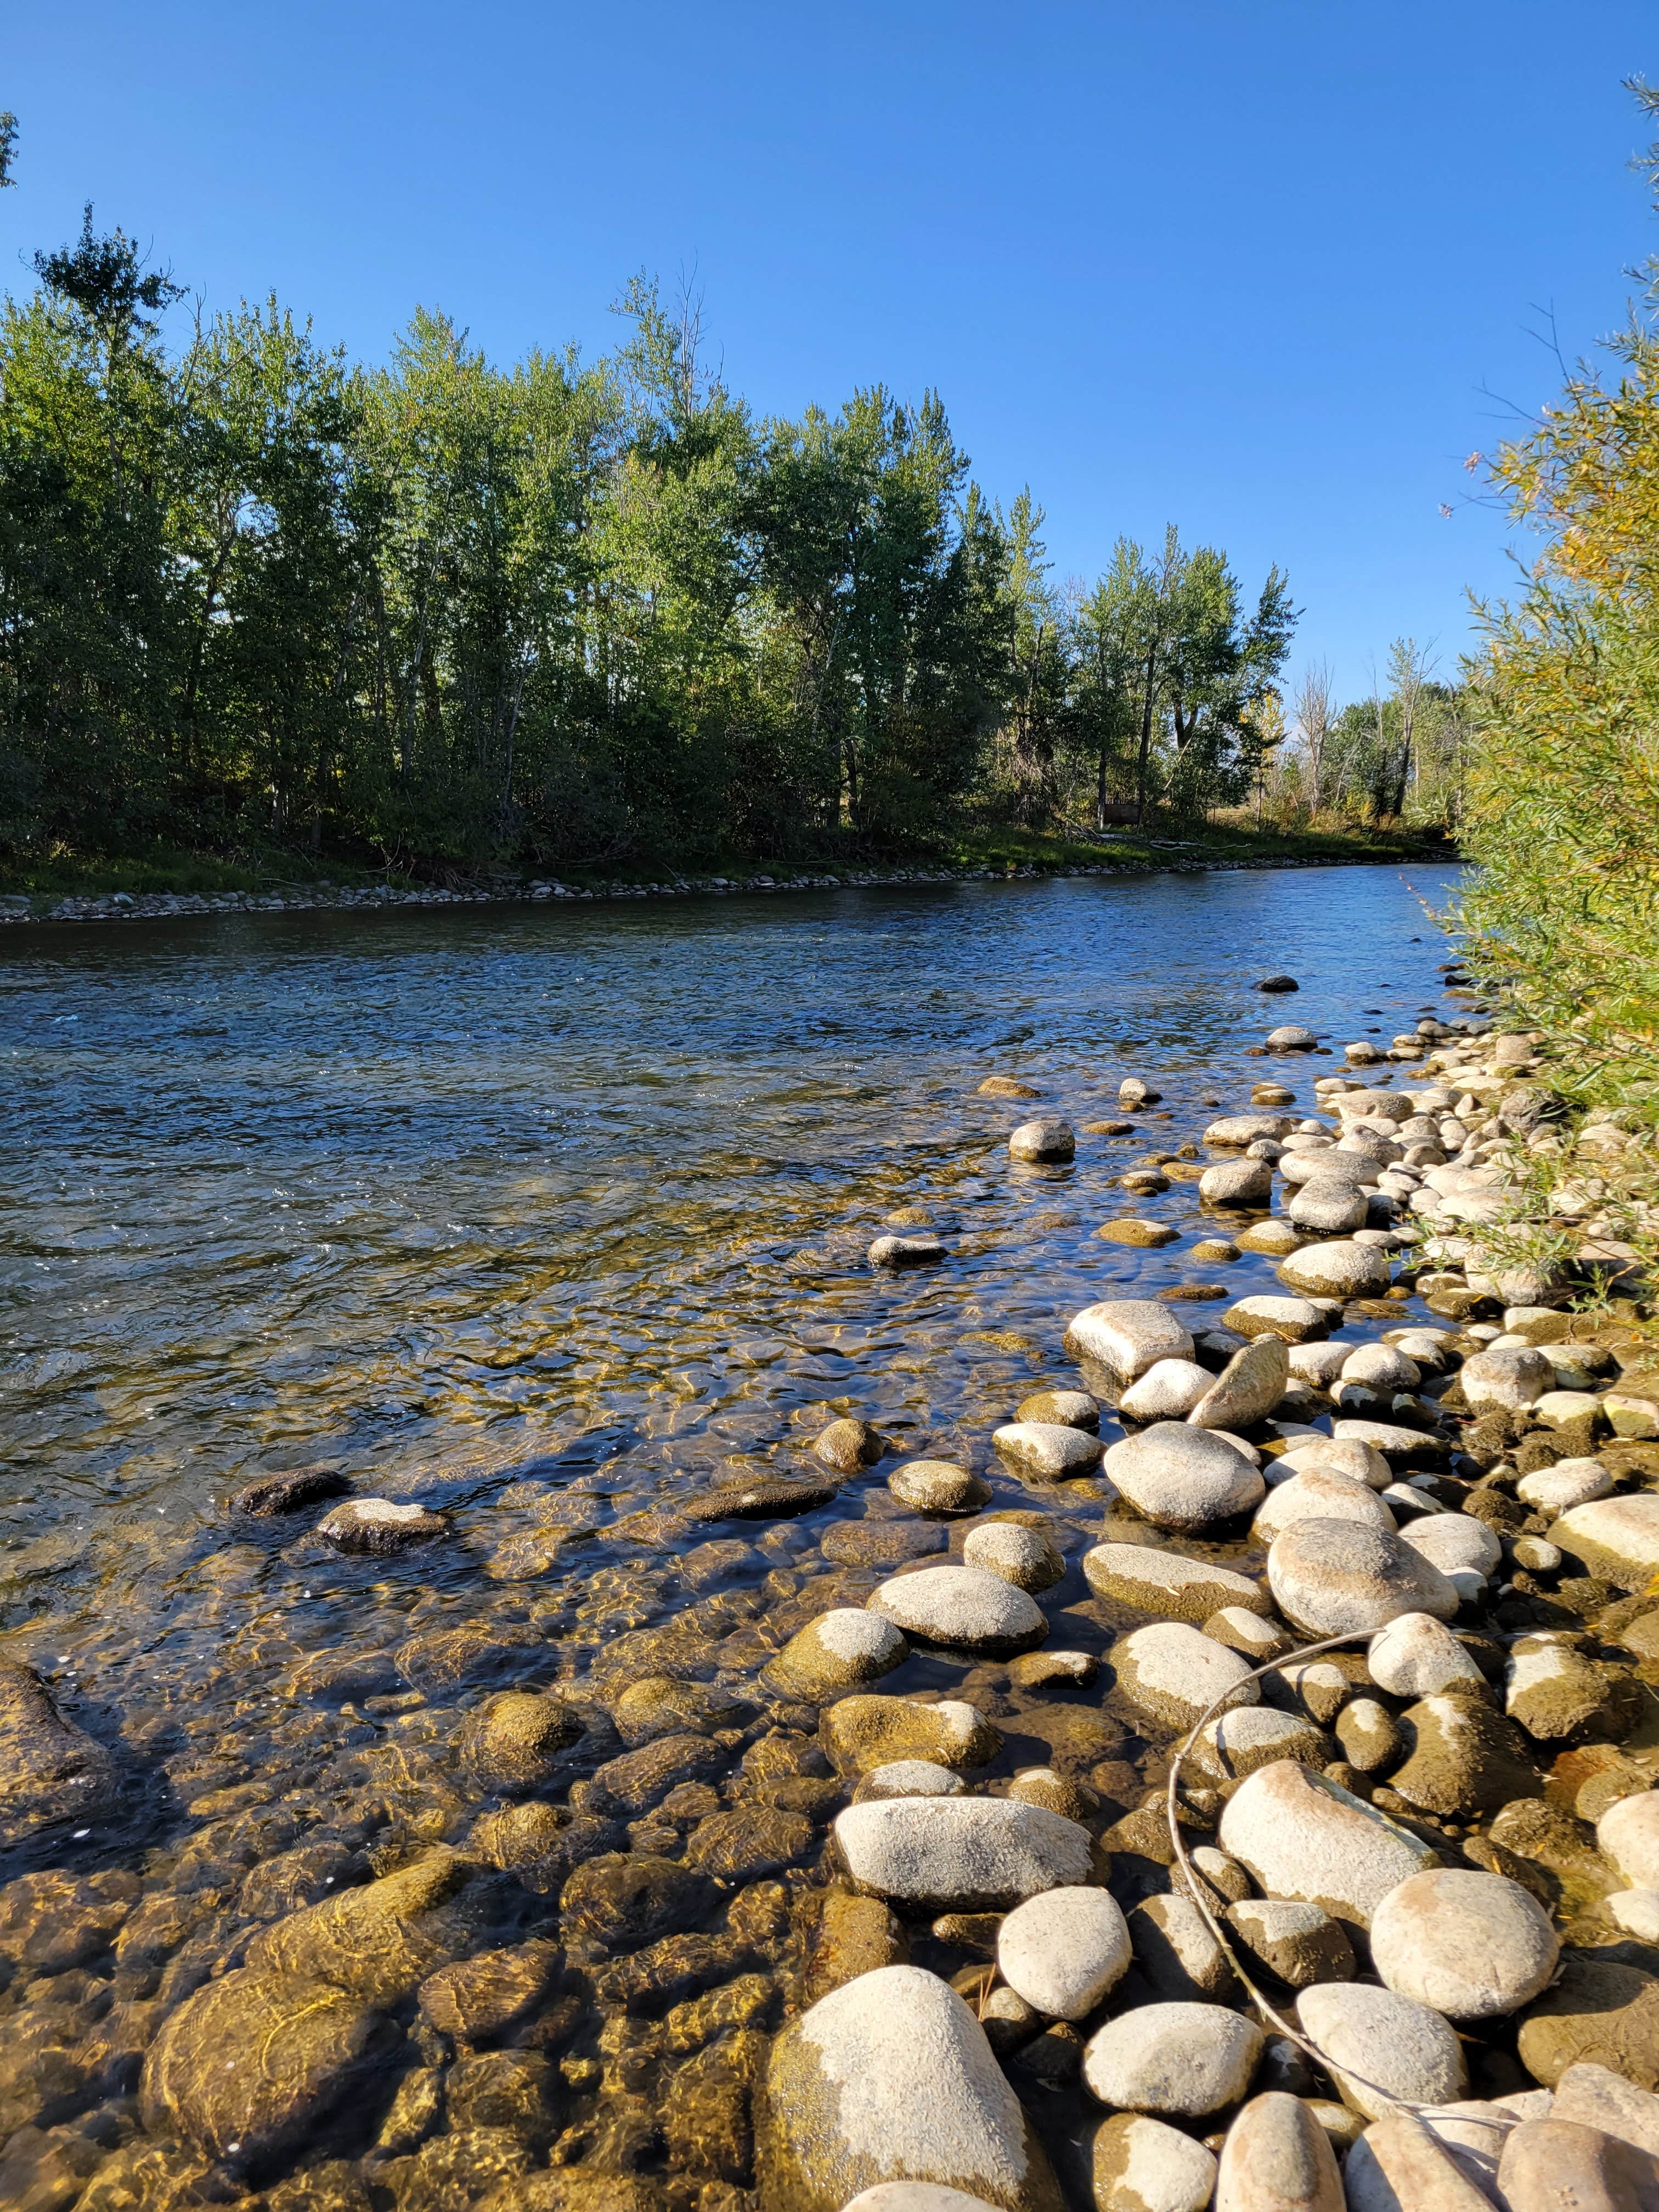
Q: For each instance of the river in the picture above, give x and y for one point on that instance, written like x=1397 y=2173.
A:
x=559 y=1213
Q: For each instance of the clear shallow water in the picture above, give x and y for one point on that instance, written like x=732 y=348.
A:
x=504 y=1210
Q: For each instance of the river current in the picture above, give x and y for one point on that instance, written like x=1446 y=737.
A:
x=551 y=1216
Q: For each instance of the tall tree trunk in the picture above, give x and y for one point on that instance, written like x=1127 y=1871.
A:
x=1142 y=764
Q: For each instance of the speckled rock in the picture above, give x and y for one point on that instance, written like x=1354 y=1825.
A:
x=1257 y=1636
x=1415 y=1655
x=1556 y=2165
x=1380 y=2046
x=1400 y=2166
x=1369 y=1736
x=1140 y=2164
x=1595 y=2097
x=859 y=1733
x=1168 y=1391
x=1462 y=1757
x=1182 y=1478
x=1064 y=1950
x=276 y=1494
x=1472 y=1946
x=1144 y=1235
x=1459 y=1545
x=49 y=1769
x=1337 y=1269
x=908 y=1777
x=1186 y=2060
x=1302 y=1836
x=1025 y=1557
x=1175 y=1673
x=249 y=2065
x=1300 y=1943
x=840 y=1649
x=1360 y=1462
x=1319 y=1494
x=1616 y=1538
x=934 y=1485
x=1328 y=1206
x=960 y=1854
x=890 y=2078
x=1041 y=1670
x=1238 y=1183
x=1569 y=1482
x=1276 y=2158
x=1127 y=1336
x=1554 y=1691
x=963 y=1608
x=1335 y=1578
x=1506 y=1380
x=1046 y=1449
x=1168 y=1583
x=627 y=1899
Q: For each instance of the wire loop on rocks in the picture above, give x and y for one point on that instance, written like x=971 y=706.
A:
x=1197 y=1886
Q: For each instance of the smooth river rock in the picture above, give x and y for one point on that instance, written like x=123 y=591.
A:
x=1248 y=1388
x=1360 y=1462
x=889 y=2079
x=1506 y=1379
x=1141 y=2164
x=1462 y=1757
x=960 y=1854
x=1472 y=1946
x=1236 y=1744
x=1319 y=1494
x=1400 y=2166
x=1175 y=1673
x=1380 y=2047
x=1297 y=1320
x=1025 y=1557
x=1047 y=1139
x=1049 y=1450
x=936 y=1486
x=378 y=1526
x=1335 y=1578
x=1337 y=1269
x=1302 y=1836
x=1329 y=1205
x=963 y=1608
x=1416 y=1655
x=1628 y=1834
x=1064 y=1951
x=1127 y=1335
x=1186 y=2060
x=837 y=1650
x=1617 y=1538
x=1276 y=2158
x=1238 y=1183
x=1166 y=1392
x=1169 y=1583
x=1300 y=1943
x=1558 y=2166
x=1182 y=1478
x=859 y=1733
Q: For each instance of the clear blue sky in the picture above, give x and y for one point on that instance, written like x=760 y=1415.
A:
x=1253 y=268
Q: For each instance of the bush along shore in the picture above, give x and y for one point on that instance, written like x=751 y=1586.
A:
x=1239 y=1783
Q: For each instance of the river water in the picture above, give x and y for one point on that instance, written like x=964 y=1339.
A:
x=550 y=1216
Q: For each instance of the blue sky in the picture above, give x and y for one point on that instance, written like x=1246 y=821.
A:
x=1269 y=270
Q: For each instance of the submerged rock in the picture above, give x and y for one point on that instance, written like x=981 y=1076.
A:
x=888 y=2079
x=767 y=1498
x=848 y=1445
x=49 y=1769
x=840 y=1649
x=380 y=1942
x=275 y=1494
x=512 y=1742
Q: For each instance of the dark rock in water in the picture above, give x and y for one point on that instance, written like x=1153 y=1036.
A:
x=577 y=2189
x=248 y=2066
x=629 y=1898
x=515 y=2090
x=638 y=1780
x=880 y=1543
x=768 y=1499
x=1278 y=983
x=538 y=1845
x=848 y=1445
x=286 y=1493
x=380 y=1942
x=748 y=1842
x=50 y=1923
x=379 y=1526
x=477 y=2000
x=444 y=1658
x=708 y=2115
x=512 y=1742
x=49 y=1769
x=449 y=2169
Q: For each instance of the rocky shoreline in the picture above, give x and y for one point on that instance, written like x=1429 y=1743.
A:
x=159 y=905
x=1259 y=1806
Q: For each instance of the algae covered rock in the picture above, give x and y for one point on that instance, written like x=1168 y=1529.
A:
x=49 y=1769
x=248 y=2066
x=512 y=1741
x=380 y=1942
x=861 y=1733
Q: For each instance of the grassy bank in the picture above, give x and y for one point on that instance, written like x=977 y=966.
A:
x=164 y=870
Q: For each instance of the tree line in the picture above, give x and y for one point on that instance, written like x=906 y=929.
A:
x=440 y=611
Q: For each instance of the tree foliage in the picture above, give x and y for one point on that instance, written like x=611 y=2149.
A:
x=449 y=613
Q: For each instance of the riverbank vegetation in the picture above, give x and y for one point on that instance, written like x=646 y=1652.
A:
x=262 y=608
x=1564 y=770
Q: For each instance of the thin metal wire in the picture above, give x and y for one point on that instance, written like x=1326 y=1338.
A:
x=1196 y=1885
